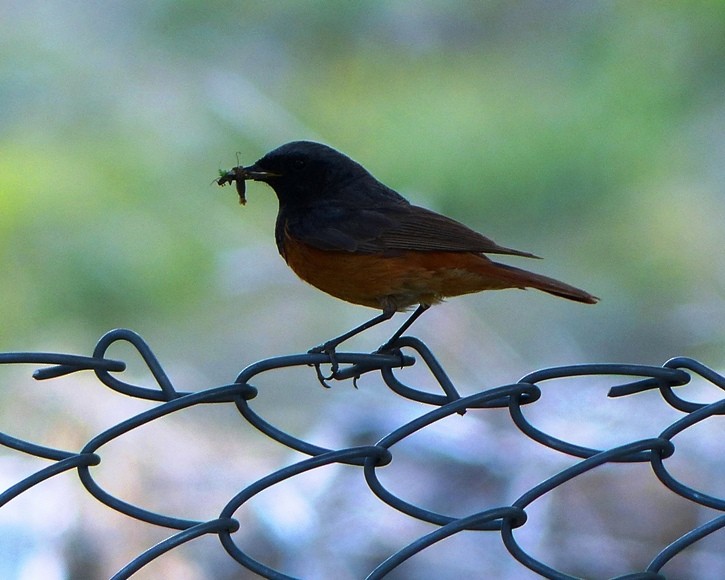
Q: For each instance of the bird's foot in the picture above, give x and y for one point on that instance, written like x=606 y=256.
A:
x=389 y=348
x=327 y=348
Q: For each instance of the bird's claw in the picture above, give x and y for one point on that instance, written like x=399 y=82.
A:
x=322 y=379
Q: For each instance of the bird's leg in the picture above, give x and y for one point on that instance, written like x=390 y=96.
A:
x=406 y=325
x=330 y=346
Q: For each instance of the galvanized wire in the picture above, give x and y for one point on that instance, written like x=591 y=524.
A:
x=501 y=519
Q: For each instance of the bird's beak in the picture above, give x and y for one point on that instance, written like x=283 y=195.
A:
x=255 y=173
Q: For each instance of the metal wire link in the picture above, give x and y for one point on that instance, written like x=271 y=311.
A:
x=503 y=519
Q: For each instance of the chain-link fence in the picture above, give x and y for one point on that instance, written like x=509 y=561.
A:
x=370 y=458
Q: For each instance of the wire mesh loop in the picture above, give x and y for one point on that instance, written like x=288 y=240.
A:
x=369 y=460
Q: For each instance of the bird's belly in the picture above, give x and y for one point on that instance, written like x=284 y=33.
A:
x=393 y=282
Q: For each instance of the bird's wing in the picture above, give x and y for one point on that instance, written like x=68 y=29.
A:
x=390 y=230
x=421 y=229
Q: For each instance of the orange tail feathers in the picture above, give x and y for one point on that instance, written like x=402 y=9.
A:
x=526 y=279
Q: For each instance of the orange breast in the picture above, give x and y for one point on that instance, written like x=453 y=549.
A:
x=394 y=282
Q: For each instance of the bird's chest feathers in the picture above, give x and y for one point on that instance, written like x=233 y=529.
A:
x=376 y=281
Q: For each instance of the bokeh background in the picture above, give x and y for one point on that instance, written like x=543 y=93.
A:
x=592 y=134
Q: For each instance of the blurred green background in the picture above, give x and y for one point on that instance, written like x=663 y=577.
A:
x=590 y=133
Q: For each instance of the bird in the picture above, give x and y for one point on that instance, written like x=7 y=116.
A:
x=351 y=236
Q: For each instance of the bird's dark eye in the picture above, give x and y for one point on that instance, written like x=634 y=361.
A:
x=299 y=163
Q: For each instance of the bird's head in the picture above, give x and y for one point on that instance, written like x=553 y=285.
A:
x=299 y=172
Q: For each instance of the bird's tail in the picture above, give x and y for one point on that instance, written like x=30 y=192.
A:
x=525 y=279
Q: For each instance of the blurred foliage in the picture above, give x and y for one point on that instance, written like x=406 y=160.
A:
x=590 y=133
